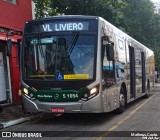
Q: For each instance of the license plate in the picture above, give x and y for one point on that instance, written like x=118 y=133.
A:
x=57 y=110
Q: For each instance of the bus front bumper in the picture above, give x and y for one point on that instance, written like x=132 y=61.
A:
x=93 y=105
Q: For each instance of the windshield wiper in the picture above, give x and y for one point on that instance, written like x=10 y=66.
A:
x=73 y=42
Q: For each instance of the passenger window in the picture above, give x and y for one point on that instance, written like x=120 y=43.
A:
x=11 y=1
x=121 y=73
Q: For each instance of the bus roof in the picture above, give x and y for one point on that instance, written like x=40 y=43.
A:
x=88 y=17
x=65 y=17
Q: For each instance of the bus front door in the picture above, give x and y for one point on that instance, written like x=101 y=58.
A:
x=132 y=72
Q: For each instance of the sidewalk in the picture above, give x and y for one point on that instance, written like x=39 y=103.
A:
x=12 y=115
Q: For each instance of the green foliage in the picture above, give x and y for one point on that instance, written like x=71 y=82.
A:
x=108 y=9
x=136 y=17
x=155 y=38
x=43 y=8
x=143 y=24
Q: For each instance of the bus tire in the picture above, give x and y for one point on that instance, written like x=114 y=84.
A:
x=122 y=101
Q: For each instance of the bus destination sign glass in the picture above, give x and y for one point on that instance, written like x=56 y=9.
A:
x=65 y=26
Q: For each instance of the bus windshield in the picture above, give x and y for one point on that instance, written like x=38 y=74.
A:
x=59 y=57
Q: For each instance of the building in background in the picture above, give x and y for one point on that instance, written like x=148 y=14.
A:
x=13 y=15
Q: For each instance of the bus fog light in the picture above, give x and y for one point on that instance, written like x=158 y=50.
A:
x=31 y=95
x=26 y=91
x=93 y=90
x=85 y=95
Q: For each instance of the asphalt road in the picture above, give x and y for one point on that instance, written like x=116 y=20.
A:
x=142 y=117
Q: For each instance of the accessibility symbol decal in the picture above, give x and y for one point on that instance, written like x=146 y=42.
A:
x=59 y=76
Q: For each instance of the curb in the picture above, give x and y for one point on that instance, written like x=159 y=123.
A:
x=17 y=121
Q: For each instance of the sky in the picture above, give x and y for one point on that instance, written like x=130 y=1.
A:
x=156 y=1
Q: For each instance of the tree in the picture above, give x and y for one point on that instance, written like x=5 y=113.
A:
x=108 y=9
x=143 y=24
x=43 y=8
x=136 y=17
x=155 y=39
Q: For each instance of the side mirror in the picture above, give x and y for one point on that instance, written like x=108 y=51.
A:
x=105 y=40
x=110 y=51
x=108 y=46
x=9 y=47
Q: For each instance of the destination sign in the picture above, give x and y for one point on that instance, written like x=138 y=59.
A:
x=65 y=26
x=61 y=26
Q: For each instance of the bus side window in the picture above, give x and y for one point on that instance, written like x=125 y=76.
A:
x=108 y=78
x=120 y=73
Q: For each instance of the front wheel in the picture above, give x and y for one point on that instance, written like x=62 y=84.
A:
x=122 y=102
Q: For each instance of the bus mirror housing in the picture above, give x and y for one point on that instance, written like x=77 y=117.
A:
x=110 y=51
x=9 y=47
x=109 y=47
x=105 y=40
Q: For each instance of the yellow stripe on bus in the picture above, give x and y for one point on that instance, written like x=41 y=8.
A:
x=76 y=76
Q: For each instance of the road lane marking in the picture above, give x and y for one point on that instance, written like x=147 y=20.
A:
x=124 y=119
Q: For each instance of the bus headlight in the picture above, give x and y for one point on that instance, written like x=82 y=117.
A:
x=90 y=93
x=93 y=90
x=25 y=90
x=28 y=93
